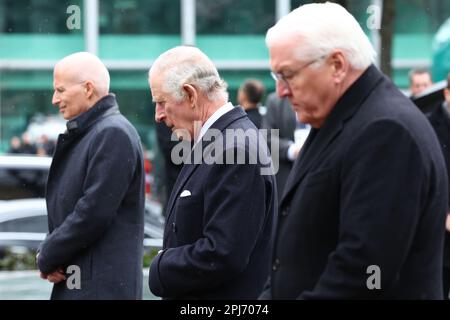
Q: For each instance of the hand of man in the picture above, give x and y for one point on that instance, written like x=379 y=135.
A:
x=56 y=276
x=42 y=275
x=447 y=222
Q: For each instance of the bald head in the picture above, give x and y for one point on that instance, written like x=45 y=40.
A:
x=84 y=66
x=184 y=64
x=79 y=80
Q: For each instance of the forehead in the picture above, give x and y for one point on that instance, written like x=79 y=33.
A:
x=61 y=76
x=283 y=52
x=156 y=85
x=421 y=77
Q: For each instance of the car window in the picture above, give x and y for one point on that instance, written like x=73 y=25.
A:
x=22 y=183
x=25 y=224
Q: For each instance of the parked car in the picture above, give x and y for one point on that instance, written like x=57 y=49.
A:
x=23 y=211
x=23 y=223
x=23 y=177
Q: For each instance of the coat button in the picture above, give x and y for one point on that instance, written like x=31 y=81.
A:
x=276 y=264
x=174 y=227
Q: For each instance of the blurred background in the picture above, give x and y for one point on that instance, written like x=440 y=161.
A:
x=128 y=35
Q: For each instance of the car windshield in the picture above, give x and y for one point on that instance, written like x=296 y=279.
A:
x=22 y=177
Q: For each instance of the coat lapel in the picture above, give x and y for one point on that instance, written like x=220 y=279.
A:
x=188 y=169
x=319 y=139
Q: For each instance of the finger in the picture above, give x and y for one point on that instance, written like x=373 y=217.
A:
x=60 y=276
x=54 y=279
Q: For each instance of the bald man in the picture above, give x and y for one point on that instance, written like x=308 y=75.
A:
x=95 y=191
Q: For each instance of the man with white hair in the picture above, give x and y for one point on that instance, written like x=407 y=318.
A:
x=220 y=215
x=95 y=191
x=363 y=211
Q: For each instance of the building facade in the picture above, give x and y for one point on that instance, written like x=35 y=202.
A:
x=129 y=34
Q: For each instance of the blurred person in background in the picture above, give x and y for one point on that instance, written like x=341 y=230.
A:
x=419 y=81
x=15 y=145
x=439 y=118
x=171 y=170
x=281 y=116
x=249 y=97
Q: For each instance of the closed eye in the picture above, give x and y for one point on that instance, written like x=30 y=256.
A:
x=160 y=103
x=288 y=75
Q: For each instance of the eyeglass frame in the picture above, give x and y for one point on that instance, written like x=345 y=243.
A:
x=280 y=77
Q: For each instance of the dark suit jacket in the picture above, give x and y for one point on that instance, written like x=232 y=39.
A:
x=281 y=116
x=217 y=241
x=95 y=202
x=255 y=117
x=369 y=189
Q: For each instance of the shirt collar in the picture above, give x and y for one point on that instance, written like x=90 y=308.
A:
x=214 y=117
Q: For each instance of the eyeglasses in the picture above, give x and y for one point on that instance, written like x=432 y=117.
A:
x=286 y=78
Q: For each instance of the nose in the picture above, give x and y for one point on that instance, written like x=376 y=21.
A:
x=283 y=89
x=55 y=100
x=160 y=114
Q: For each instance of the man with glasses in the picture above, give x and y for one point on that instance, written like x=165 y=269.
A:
x=363 y=211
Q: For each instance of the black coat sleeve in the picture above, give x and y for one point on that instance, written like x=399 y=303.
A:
x=112 y=162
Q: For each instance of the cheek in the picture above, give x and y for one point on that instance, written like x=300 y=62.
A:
x=169 y=112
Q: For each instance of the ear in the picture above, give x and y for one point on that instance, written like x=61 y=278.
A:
x=191 y=93
x=89 y=89
x=340 y=66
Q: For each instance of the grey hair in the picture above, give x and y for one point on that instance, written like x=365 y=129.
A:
x=188 y=65
x=324 y=28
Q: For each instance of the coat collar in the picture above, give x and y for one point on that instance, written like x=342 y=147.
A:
x=188 y=169
x=103 y=107
x=319 y=139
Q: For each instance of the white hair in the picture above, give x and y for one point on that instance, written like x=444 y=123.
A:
x=324 y=28
x=188 y=65
x=86 y=66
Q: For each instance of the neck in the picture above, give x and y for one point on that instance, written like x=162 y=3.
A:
x=209 y=108
x=249 y=106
